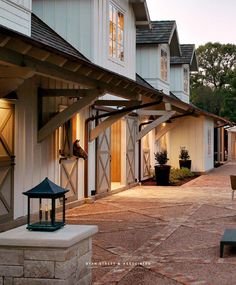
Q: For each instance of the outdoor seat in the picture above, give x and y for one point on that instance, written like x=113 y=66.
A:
x=233 y=184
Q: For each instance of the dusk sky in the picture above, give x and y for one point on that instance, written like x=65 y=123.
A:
x=198 y=21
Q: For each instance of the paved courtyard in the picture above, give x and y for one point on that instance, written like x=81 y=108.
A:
x=164 y=235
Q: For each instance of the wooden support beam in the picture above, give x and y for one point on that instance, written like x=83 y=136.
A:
x=46 y=69
x=4 y=40
x=168 y=107
x=38 y=53
x=105 y=124
x=52 y=71
x=19 y=45
x=8 y=85
x=67 y=114
x=175 y=103
x=118 y=103
x=166 y=129
x=151 y=112
x=73 y=93
x=154 y=124
x=72 y=66
x=16 y=71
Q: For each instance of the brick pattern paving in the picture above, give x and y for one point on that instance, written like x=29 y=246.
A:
x=164 y=235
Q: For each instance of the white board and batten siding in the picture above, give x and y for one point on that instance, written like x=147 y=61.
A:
x=16 y=15
x=35 y=161
x=208 y=144
x=177 y=82
x=71 y=19
x=101 y=37
x=148 y=65
x=85 y=24
x=196 y=135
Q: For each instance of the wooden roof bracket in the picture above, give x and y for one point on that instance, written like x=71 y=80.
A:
x=115 y=116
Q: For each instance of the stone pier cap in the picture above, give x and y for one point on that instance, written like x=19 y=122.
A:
x=62 y=238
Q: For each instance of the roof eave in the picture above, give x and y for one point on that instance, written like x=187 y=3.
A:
x=174 y=42
x=194 y=62
x=141 y=13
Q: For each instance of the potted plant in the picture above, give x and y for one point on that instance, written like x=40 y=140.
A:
x=162 y=171
x=184 y=158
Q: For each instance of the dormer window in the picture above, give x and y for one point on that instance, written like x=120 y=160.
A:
x=164 y=65
x=186 y=80
x=116 y=33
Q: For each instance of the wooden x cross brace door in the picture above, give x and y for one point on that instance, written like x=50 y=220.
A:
x=6 y=161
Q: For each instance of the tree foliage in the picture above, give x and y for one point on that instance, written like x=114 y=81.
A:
x=217 y=64
x=214 y=88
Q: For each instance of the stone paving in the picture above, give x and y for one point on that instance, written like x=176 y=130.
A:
x=164 y=235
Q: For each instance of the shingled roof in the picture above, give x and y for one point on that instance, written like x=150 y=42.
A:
x=42 y=33
x=187 y=57
x=161 y=32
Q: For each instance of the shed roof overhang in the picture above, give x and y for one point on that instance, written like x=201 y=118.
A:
x=22 y=57
x=30 y=57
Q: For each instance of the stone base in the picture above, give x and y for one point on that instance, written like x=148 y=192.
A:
x=61 y=257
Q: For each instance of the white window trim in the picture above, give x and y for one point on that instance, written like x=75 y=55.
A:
x=114 y=59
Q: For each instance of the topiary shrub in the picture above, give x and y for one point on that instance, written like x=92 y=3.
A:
x=183 y=153
x=161 y=157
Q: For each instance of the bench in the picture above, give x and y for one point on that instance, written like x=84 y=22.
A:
x=228 y=238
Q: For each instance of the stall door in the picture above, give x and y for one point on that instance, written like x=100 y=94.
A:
x=68 y=164
x=130 y=151
x=103 y=182
x=146 y=163
x=69 y=178
x=6 y=161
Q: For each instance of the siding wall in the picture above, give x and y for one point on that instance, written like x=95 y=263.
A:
x=69 y=18
x=208 y=138
x=35 y=161
x=192 y=134
x=85 y=24
x=101 y=37
x=16 y=15
x=149 y=65
x=177 y=82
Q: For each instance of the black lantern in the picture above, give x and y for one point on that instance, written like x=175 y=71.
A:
x=45 y=197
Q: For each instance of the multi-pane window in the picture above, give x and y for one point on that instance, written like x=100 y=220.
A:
x=164 y=65
x=186 y=80
x=116 y=33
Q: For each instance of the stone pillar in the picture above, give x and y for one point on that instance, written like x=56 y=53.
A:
x=46 y=258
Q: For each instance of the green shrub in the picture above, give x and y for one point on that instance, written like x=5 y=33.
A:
x=161 y=157
x=177 y=174
x=183 y=153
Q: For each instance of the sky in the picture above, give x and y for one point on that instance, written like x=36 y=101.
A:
x=198 y=21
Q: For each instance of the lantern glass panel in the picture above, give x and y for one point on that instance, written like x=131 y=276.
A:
x=46 y=214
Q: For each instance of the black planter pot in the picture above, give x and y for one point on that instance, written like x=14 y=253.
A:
x=185 y=163
x=162 y=173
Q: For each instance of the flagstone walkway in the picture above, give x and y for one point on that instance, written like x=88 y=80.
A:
x=164 y=235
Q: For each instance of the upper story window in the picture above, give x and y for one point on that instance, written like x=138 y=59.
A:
x=116 y=33
x=164 y=65
x=186 y=80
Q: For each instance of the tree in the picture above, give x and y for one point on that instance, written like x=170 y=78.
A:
x=213 y=89
x=207 y=99
x=217 y=63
